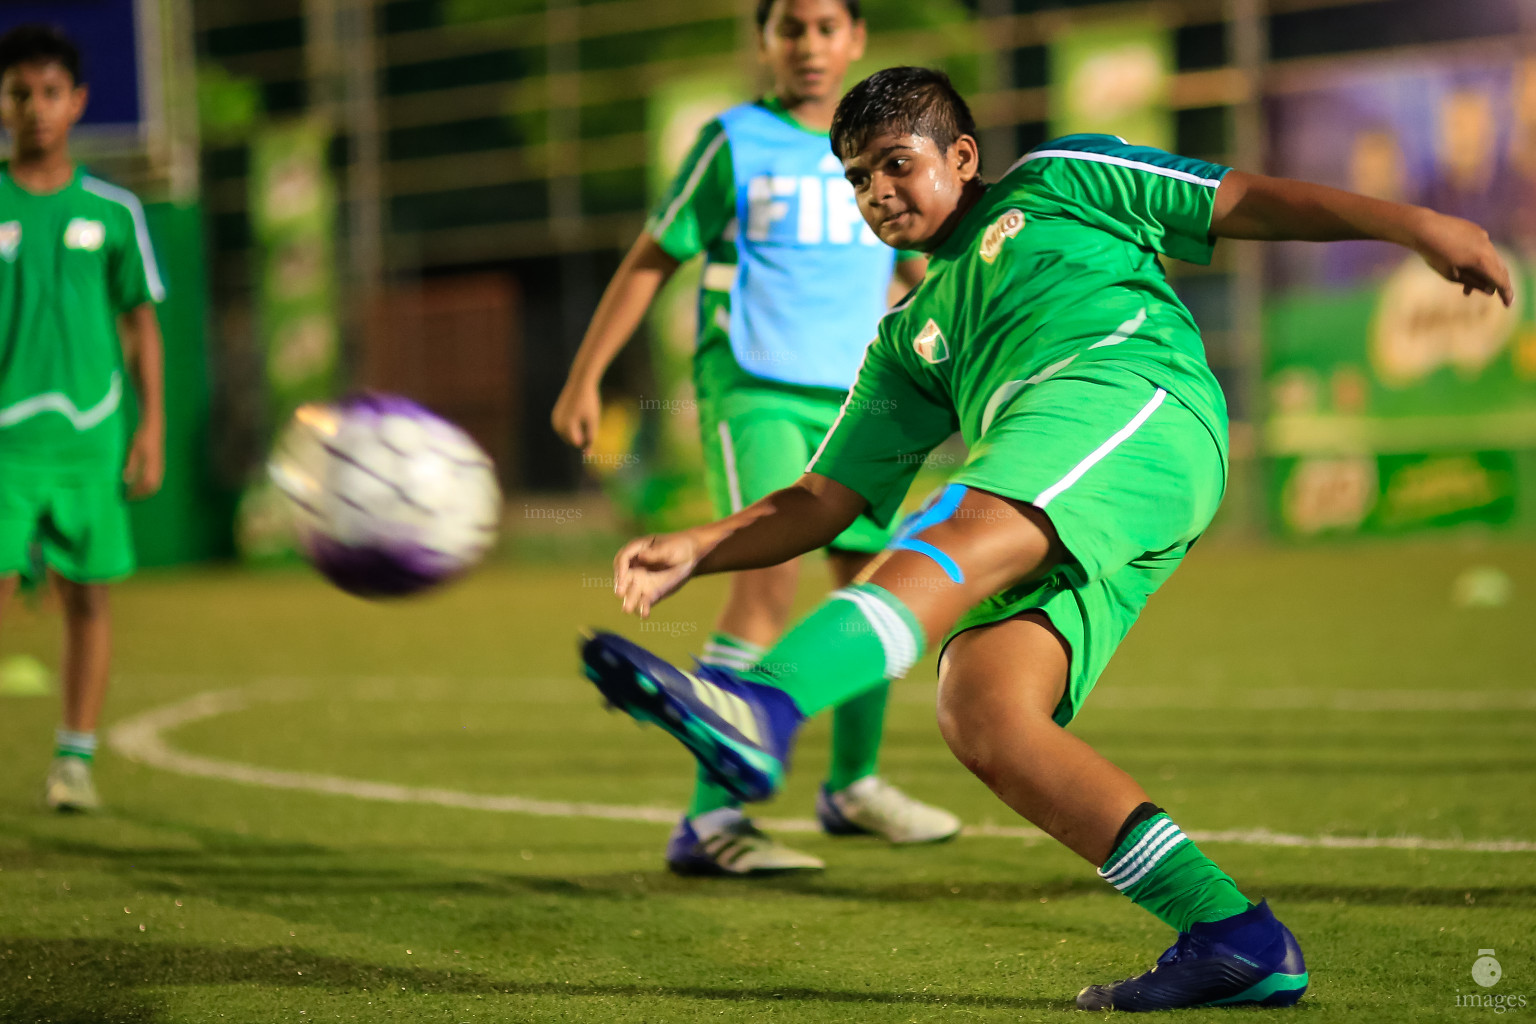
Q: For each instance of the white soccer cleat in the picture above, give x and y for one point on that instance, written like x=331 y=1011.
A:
x=736 y=849
x=69 y=786
x=874 y=807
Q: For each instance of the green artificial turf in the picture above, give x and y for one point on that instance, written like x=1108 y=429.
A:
x=1335 y=691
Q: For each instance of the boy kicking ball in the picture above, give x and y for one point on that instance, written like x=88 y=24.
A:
x=793 y=286
x=1047 y=334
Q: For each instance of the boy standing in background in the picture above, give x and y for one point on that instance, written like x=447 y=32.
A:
x=78 y=283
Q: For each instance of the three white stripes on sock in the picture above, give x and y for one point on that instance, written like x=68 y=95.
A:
x=1159 y=841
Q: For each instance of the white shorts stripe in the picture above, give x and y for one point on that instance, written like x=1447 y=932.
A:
x=728 y=453
x=1049 y=494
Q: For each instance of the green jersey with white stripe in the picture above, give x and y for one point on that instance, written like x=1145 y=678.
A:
x=70 y=261
x=1053 y=271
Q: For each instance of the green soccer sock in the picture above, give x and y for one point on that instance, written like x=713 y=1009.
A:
x=857 y=726
x=1164 y=873
x=859 y=637
x=69 y=743
x=730 y=652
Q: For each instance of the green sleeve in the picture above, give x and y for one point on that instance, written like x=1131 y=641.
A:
x=887 y=427
x=701 y=200
x=133 y=277
x=1155 y=199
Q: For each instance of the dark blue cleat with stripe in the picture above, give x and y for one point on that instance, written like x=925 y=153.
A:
x=1250 y=959
x=739 y=730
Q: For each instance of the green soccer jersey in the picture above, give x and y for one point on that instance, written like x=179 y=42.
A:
x=1053 y=271
x=70 y=262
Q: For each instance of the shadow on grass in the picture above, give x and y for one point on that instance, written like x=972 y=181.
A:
x=238 y=867
x=75 y=981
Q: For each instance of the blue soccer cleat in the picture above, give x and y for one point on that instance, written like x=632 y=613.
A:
x=740 y=731
x=1250 y=959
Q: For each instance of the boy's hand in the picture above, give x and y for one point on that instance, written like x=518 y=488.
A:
x=145 y=468
x=648 y=569
x=576 y=415
x=1460 y=251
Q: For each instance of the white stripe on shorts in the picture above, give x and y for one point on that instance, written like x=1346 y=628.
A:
x=1049 y=494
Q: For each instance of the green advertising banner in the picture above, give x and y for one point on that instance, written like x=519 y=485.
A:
x=189 y=519
x=293 y=213
x=1395 y=402
x=1112 y=76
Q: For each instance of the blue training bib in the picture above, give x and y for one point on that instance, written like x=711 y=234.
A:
x=812 y=279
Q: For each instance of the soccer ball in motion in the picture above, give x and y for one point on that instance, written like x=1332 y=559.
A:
x=388 y=499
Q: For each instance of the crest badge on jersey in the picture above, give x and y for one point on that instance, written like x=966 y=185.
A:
x=88 y=235
x=10 y=240
x=930 y=343
x=1002 y=229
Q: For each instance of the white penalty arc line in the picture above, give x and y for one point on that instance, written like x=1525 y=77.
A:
x=141 y=739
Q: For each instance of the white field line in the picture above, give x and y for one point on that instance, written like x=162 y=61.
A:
x=553 y=690
x=140 y=738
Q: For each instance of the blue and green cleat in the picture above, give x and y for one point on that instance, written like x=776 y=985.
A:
x=1250 y=959
x=739 y=730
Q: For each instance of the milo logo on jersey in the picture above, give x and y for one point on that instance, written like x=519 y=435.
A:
x=1002 y=229
x=810 y=209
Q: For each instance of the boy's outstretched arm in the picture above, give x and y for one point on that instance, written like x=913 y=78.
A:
x=623 y=306
x=1281 y=209
x=802 y=517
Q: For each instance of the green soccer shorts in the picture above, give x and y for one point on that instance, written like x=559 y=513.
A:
x=81 y=526
x=1129 y=477
x=758 y=440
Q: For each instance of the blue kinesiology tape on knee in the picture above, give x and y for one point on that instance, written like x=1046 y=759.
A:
x=940 y=509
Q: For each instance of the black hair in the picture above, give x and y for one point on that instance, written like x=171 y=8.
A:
x=904 y=100
x=40 y=44
x=765 y=7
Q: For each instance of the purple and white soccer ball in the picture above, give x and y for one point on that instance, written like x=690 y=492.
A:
x=388 y=499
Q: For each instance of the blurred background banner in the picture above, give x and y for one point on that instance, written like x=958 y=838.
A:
x=1395 y=401
x=293 y=223
x=474 y=171
x=293 y=218
x=1112 y=75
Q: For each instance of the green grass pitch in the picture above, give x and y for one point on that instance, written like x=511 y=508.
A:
x=1324 y=692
